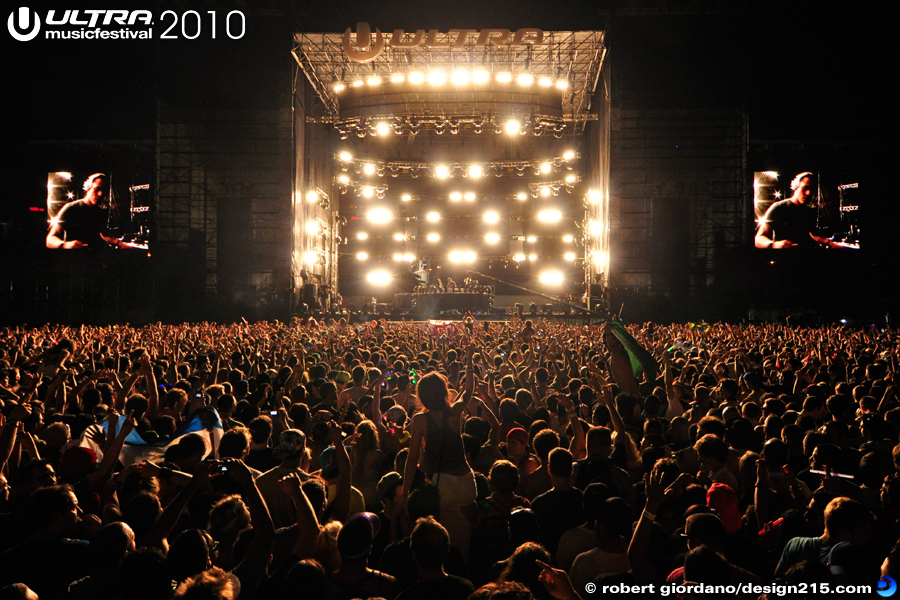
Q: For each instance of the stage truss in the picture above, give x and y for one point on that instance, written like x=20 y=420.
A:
x=573 y=57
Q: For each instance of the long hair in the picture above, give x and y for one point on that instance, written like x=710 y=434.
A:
x=434 y=393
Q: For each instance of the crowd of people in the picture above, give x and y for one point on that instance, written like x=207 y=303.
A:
x=483 y=460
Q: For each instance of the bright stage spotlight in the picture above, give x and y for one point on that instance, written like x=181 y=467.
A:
x=522 y=196
x=491 y=217
x=358 y=83
x=545 y=82
x=398 y=257
x=549 y=215
x=504 y=77
x=546 y=191
x=310 y=257
x=531 y=239
x=399 y=237
x=476 y=171
x=382 y=128
x=343 y=179
x=492 y=238
x=532 y=257
x=568 y=154
x=362 y=256
x=368 y=191
x=594 y=227
x=312 y=196
x=379 y=216
x=369 y=169
x=512 y=127
x=469 y=196
x=455 y=196
x=397 y=78
x=373 y=80
x=442 y=171
x=312 y=228
x=379 y=277
x=569 y=256
x=416 y=78
x=459 y=77
x=409 y=257
x=362 y=236
x=571 y=178
x=594 y=196
x=433 y=217
x=405 y=197
x=433 y=237
x=345 y=156
x=525 y=79
x=437 y=77
x=568 y=238
x=460 y=257
x=519 y=257
x=480 y=76
x=562 y=84
x=552 y=278
x=546 y=167
x=339 y=87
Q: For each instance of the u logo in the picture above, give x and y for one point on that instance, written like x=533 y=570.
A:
x=365 y=50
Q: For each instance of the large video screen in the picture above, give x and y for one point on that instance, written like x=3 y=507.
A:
x=806 y=210
x=95 y=214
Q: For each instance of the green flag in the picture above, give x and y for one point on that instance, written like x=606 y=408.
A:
x=641 y=360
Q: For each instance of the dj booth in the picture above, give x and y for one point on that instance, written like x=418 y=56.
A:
x=437 y=302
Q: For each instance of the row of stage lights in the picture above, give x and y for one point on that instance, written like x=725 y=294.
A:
x=383 y=216
x=536 y=190
x=476 y=170
x=464 y=257
x=383 y=126
x=490 y=238
x=459 y=77
x=549 y=277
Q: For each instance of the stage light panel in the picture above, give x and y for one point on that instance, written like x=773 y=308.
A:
x=358 y=83
x=461 y=257
x=512 y=127
x=594 y=227
x=343 y=179
x=492 y=238
x=382 y=128
x=545 y=82
x=405 y=197
x=568 y=154
x=310 y=257
x=398 y=257
x=459 y=77
x=312 y=228
x=594 y=196
x=379 y=277
x=433 y=217
x=562 y=84
x=455 y=196
x=480 y=76
x=368 y=191
x=504 y=77
x=522 y=196
x=339 y=87
x=519 y=257
x=399 y=237
x=469 y=196
x=373 y=80
x=570 y=256
x=491 y=217
x=312 y=196
x=416 y=77
x=476 y=171
x=397 y=78
x=552 y=278
x=546 y=167
x=437 y=77
x=345 y=156
x=546 y=191
x=433 y=237
x=379 y=216
x=599 y=258
x=442 y=171
x=571 y=178
x=568 y=238
x=531 y=239
x=362 y=256
x=532 y=257
x=362 y=236
x=369 y=169
x=549 y=215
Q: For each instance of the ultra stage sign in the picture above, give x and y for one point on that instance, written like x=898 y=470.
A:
x=366 y=49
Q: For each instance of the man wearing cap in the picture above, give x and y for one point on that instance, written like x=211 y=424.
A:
x=290 y=450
